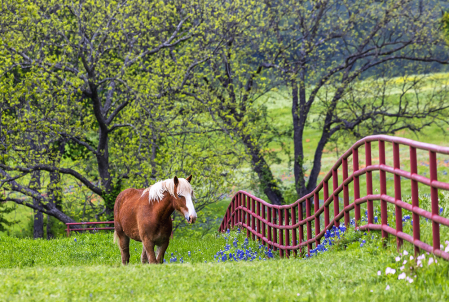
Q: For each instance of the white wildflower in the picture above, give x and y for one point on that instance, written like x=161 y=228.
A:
x=402 y=268
x=405 y=253
x=430 y=261
x=379 y=273
x=398 y=258
x=388 y=287
x=401 y=276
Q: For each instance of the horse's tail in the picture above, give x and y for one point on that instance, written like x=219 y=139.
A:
x=116 y=237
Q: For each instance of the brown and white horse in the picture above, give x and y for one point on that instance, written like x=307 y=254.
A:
x=144 y=215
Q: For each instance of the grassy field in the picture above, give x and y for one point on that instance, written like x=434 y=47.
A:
x=89 y=269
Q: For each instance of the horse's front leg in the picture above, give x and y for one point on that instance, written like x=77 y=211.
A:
x=161 y=252
x=149 y=247
x=144 y=257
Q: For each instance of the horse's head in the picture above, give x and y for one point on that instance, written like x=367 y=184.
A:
x=183 y=198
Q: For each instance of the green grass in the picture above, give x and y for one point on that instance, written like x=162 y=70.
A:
x=89 y=269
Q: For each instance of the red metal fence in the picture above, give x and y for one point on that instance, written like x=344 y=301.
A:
x=87 y=224
x=69 y=229
x=273 y=224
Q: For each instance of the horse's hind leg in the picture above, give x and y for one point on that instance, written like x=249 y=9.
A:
x=160 y=252
x=124 y=248
x=144 y=257
x=149 y=248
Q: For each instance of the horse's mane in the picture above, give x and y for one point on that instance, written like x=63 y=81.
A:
x=156 y=191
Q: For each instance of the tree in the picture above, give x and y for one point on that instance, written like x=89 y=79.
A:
x=229 y=85
x=94 y=81
x=321 y=50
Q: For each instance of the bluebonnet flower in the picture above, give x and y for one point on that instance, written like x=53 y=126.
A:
x=75 y=239
x=441 y=210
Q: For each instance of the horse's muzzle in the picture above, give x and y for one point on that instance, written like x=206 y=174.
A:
x=190 y=219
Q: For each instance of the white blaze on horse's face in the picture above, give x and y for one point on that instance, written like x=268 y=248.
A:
x=191 y=214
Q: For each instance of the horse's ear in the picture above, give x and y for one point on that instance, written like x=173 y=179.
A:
x=189 y=179
x=176 y=180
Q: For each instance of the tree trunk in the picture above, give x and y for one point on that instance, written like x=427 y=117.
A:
x=38 y=219
x=50 y=234
x=266 y=178
x=299 y=114
x=105 y=174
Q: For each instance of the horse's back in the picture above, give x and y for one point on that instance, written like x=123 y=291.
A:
x=126 y=209
x=127 y=196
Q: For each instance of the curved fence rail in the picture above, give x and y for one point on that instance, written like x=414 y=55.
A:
x=282 y=227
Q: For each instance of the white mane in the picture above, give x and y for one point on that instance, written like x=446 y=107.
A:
x=156 y=191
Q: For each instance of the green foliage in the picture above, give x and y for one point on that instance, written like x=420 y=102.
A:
x=100 y=102
x=3 y=221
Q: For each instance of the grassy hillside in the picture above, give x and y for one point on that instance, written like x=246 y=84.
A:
x=89 y=269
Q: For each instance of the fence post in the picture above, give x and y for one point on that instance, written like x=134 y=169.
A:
x=240 y=210
x=293 y=213
x=232 y=212
x=309 y=226
x=258 y=217
x=346 y=191
x=316 y=206
x=248 y=218
x=335 y=197
x=237 y=212
x=253 y=218
x=281 y=233
x=263 y=223
x=275 y=231
x=269 y=227
x=355 y=164
x=434 y=200
x=326 y=207
x=383 y=189
x=415 y=197
x=369 y=182
x=397 y=194
x=301 y=227
x=287 y=232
